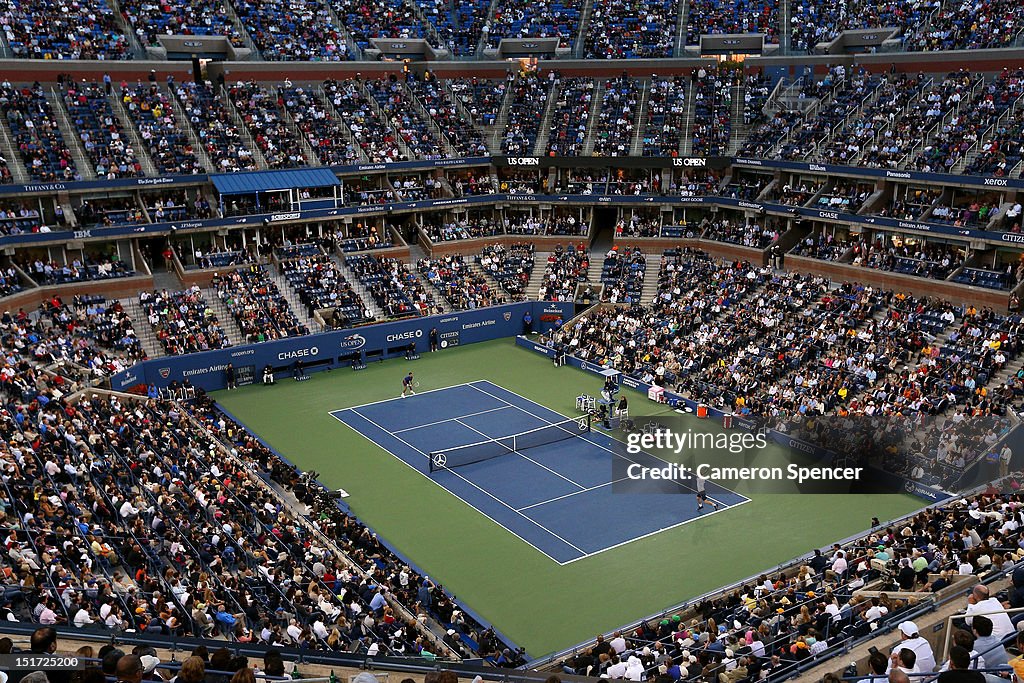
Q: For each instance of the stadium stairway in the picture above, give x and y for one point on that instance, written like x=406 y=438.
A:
x=637 y=146
x=243 y=130
x=70 y=135
x=383 y=116
x=138 y=51
x=928 y=138
x=481 y=43
x=785 y=26
x=416 y=252
x=544 y=132
x=679 y=44
x=592 y=120
x=12 y=156
x=420 y=111
x=197 y=145
x=486 y=133
x=247 y=41
x=650 y=289
x=224 y=317
x=475 y=268
x=809 y=106
x=686 y=142
x=537 y=276
x=142 y=151
x=323 y=99
x=292 y=297
x=312 y=158
x=358 y=286
x=987 y=135
x=739 y=129
x=501 y=121
x=429 y=28
x=350 y=42
x=579 y=45
x=143 y=330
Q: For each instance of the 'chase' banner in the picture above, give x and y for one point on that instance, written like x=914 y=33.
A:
x=341 y=348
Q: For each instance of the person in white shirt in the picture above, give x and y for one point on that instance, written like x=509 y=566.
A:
x=979 y=602
x=82 y=617
x=618 y=643
x=904 y=659
x=128 y=511
x=839 y=564
x=876 y=611
x=319 y=629
x=634 y=669
x=47 y=617
x=617 y=669
x=912 y=640
x=294 y=632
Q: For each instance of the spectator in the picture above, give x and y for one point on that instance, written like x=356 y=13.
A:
x=981 y=602
x=921 y=648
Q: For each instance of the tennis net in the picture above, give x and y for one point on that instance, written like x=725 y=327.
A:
x=514 y=443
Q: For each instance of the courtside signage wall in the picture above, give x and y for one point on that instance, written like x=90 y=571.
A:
x=340 y=348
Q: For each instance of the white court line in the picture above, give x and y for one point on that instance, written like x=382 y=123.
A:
x=418 y=393
x=652 y=533
x=450 y=419
x=600 y=445
x=499 y=500
x=557 y=474
x=723 y=508
x=574 y=493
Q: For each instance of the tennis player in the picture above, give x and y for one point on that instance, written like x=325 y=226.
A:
x=702 y=493
x=407 y=385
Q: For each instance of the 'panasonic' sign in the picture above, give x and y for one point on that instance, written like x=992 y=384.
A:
x=286 y=216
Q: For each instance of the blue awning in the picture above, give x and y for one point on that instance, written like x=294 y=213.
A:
x=265 y=181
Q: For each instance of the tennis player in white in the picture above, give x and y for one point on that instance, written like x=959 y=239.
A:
x=702 y=493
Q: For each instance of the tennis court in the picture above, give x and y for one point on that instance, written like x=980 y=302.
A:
x=554 y=491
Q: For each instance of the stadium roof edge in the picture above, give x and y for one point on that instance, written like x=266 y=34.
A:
x=266 y=181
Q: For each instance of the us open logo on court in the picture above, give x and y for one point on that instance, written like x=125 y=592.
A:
x=165 y=372
x=507 y=315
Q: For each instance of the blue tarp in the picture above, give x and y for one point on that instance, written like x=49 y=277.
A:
x=264 y=181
